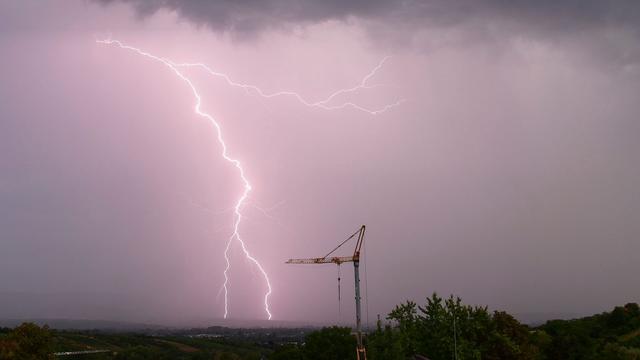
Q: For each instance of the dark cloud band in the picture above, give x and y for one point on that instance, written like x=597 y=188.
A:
x=257 y=15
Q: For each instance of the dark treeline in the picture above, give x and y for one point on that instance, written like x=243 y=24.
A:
x=439 y=329
x=445 y=329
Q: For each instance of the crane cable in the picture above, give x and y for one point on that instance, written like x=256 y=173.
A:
x=339 y=297
x=342 y=243
x=366 y=283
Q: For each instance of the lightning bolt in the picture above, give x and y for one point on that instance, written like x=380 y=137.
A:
x=324 y=104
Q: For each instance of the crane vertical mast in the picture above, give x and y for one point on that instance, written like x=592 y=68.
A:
x=356 y=276
x=355 y=259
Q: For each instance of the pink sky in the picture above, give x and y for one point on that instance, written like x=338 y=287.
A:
x=508 y=177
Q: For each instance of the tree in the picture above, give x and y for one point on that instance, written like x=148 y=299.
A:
x=385 y=344
x=509 y=339
x=406 y=320
x=286 y=352
x=330 y=343
x=27 y=342
x=436 y=331
x=446 y=328
x=8 y=349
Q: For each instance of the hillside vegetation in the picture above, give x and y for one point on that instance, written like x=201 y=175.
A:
x=439 y=329
x=445 y=329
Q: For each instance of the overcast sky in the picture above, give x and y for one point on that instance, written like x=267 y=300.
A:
x=508 y=176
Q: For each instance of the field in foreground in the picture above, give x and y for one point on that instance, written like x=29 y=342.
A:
x=34 y=342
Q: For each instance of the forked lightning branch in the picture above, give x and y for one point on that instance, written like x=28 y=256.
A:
x=328 y=104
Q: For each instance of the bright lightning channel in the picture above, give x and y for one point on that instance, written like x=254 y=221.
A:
x=322 y=104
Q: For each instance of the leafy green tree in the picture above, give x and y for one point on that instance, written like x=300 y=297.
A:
x=330 y=343
x=27 y=342
x=540 y=341
x=569 y=340
x=450 y=329
x=8 y=349
x=617 y=352
x=509 y=339
x=610 y=335
x=385 y=344
x=406 y=320
x=446 y=328
x=435 y=326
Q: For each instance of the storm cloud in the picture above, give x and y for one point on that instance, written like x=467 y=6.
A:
x=605 y=30
x=508 y=177
x=545 y=16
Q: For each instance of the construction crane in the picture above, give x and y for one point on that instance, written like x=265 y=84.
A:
x=355 y=259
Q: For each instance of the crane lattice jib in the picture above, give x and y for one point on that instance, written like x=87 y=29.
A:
x=336 y=259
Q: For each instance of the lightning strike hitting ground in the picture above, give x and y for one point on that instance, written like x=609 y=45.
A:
x=322 y=104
